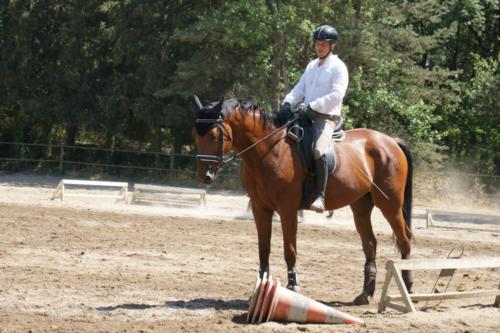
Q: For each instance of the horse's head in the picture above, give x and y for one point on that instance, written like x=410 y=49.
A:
x=213 y=139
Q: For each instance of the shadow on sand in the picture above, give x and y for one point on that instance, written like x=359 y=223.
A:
x=195 y=304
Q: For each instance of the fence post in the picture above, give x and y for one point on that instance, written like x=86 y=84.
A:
x=172 y=163
x=61 y=159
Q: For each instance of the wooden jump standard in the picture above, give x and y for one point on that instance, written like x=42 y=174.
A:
x=394 y=268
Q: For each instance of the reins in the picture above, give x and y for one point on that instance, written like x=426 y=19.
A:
x=256 y=143
x=219 y=158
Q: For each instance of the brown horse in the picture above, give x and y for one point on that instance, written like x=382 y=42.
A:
x=373 y=169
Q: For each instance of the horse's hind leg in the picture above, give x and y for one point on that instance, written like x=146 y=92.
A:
x=362 y=210
x=403 y=237
x=263 y=222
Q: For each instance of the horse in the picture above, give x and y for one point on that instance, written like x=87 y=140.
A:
x=373 y=169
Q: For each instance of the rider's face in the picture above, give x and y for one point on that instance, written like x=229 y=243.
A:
x=323 y=48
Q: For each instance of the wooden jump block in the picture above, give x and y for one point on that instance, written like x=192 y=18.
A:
x=394 y=268
x=461 y=217
x=61 y=193
x=169 y=195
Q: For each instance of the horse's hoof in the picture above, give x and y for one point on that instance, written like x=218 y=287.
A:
x=262 y=271
x=361 y=299
x=293 y=288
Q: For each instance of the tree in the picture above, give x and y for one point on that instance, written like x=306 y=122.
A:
x=122 y=73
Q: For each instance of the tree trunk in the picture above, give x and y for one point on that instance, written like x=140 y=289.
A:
x=276 y=78
x=156 y=140
x=454 y=64
x=71 y=132
x=278 y=40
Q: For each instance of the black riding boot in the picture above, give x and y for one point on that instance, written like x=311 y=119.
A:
x=321 y=170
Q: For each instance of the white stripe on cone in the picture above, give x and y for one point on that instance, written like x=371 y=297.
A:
x=281 y=304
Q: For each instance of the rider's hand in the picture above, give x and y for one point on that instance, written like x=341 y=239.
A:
x=285 y=113
x=310 y=109
x=286 y=108
x=301 y=110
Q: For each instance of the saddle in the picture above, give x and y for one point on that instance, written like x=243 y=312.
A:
x=301 y=132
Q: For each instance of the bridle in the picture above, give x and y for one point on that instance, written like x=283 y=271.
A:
x=216 y=162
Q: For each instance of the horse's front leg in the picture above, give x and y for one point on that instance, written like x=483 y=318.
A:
x=289 y=229
x=263 y=221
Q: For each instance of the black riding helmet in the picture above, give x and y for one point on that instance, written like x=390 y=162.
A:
x=325 y=32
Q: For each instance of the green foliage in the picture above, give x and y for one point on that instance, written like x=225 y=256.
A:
x=383 y=105
x=481 y=100
x=120 y=74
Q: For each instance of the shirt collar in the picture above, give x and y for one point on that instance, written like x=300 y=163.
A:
x=328 y=59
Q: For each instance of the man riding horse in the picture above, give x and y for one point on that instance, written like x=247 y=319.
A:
x=322 y=87
x=376 y=169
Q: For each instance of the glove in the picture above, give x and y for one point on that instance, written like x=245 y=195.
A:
x=302 y=110
x=309 y=108
x=286 y=107
x=305 y=114
x=285 y=113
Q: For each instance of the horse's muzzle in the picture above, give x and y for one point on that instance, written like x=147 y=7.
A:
x=209 y=177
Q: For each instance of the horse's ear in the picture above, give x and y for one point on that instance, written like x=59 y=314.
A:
x=198 y=103
x=218 y=107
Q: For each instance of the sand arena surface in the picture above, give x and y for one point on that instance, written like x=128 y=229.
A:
x=95 y=265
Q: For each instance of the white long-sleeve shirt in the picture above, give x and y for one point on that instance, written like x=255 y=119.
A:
x=321 y=87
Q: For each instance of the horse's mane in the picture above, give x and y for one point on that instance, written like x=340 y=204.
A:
x=230 y=106
x=248 y=107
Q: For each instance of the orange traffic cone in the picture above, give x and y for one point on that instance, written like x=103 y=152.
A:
x=253 y=299
x=266 y=304
x=290 y=306
x=260 y=299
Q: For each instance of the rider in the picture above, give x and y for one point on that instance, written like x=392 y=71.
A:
x=322 y=87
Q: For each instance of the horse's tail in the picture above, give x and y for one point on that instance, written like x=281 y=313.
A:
x=407 y=202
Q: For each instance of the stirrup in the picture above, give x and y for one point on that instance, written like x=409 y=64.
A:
x=318 y=205
x=296 y=133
